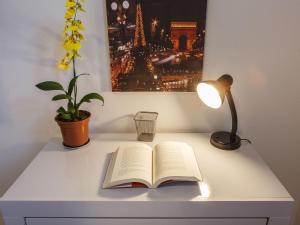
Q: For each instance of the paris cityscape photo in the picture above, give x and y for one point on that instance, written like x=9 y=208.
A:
x=156 y=45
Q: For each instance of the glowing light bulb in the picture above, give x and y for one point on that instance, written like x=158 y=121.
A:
x=209 y=95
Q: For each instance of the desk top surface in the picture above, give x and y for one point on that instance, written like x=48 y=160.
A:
x=59 y=174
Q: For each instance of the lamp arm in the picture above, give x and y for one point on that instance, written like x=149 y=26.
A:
x=233 y=115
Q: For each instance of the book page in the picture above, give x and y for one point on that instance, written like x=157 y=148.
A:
x=174 y=160
x=133 y=161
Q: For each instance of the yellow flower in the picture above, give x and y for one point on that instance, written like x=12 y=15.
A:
x=68 y=16
x=78 y=35
x=68 y=57
x=70 y=13
x=63 y=66
x=72 y=45
x=65 y=62
x=80 y=25
x=68 y=20
x=70 y=3
x=73 y=28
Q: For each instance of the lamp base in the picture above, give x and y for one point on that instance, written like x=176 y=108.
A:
x=221 y=140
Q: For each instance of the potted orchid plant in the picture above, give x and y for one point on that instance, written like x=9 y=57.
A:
x=72 y=120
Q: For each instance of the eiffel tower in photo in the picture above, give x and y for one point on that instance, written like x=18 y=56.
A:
x=141 y=76
x=139 y=34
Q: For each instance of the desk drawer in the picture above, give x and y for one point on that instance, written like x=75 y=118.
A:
x=99 y=221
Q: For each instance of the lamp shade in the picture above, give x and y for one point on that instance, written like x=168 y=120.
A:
x=212 y=93
x=209 y=94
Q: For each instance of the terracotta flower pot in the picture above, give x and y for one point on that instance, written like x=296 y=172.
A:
x=75 y=134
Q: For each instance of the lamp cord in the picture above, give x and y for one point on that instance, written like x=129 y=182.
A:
x=245 y=139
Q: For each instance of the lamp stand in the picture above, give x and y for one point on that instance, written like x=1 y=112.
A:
x=221 y=140
x=227 y=140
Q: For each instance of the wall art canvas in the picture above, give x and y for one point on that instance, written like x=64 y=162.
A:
x=156 y=45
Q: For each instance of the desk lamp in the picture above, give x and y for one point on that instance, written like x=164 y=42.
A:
x=212 y=93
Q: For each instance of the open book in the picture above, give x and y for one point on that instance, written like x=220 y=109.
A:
x=137 y=164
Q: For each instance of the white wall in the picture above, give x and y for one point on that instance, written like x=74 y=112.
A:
x=257 y=41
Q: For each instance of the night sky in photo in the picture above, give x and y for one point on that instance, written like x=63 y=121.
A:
x=165 y=11
x=174 y=10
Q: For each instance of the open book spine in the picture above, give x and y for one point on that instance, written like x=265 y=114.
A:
x=131 y=185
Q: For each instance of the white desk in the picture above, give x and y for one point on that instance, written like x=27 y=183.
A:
x=62 y=187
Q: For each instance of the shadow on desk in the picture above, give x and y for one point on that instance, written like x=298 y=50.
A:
x=179 y=191
x=56 y=143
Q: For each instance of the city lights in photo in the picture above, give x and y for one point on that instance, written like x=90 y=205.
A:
x=156 y=45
